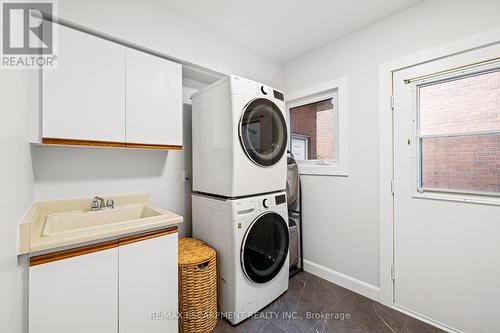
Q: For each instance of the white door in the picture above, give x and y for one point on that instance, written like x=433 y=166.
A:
x=84 y=98
x=154 y=100
x=78 y=294
x=148 y=285
x=447 y=182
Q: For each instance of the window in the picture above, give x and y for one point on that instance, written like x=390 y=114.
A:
x=459 y=134
x=318 y=128
x=314 y=131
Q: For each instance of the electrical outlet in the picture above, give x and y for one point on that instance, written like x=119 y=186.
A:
x=185 y=176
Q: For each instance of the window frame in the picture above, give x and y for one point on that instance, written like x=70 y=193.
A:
x=334 y=89
x=420 y=191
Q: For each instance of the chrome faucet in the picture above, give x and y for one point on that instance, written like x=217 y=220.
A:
x=98 y=204
x=110 y=203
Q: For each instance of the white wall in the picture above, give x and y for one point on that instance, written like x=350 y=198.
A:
x=341 y=224
x=16 y=193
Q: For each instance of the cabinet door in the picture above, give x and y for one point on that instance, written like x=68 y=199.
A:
x=154 y=100
x=84 y=97
x=77 y=295
x=148 y=285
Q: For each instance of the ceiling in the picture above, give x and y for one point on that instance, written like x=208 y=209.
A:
x=284 y=29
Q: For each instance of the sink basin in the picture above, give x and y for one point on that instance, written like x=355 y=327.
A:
x=77 y=221
x=54 y=225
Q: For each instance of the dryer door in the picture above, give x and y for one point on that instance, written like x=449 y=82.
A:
x=263 y=132
x=265 y=247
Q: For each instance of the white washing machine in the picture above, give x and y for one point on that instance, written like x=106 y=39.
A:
x=251 y=238
x=239 y=138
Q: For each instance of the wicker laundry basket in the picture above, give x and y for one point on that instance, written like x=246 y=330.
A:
x=197 y=287
x=187 y=243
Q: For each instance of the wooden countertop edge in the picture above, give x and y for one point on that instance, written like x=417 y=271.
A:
x=99 y=143
x=77 y=251
x=147 y=235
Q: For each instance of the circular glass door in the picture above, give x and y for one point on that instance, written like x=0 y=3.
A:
x=263 y=132
x=265 y=248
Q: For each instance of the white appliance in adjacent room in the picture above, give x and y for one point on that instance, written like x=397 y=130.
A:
x=239 y=138
x=251 y=238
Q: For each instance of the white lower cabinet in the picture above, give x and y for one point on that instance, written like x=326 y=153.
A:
x=129 y=288
x=77 y=295
x=148 y=286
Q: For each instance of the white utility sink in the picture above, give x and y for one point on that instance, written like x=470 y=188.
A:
x=77 y=221
x=54 y=224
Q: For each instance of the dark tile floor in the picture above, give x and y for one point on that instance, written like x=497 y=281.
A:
x=309 y=293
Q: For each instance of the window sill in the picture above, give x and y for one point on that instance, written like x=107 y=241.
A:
x=312 y=168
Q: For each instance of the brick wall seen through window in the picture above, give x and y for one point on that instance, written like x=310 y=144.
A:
x=314 y=126
x=460 y=134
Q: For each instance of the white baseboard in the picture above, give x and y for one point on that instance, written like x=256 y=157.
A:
x=346 y=281
x=425 y=319
x=365 y=289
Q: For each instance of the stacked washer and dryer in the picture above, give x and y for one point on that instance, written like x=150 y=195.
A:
x=239 y=200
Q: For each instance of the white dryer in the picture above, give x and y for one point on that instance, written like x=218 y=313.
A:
x=251 y=238
x=239 y=138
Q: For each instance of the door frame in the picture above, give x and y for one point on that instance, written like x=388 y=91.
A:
x=386 y=150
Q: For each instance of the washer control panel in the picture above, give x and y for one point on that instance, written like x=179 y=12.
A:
x=273 y=200
x=280 y=199
x=258 y=204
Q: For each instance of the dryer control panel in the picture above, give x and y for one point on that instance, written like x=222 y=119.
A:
x=270 y=92
x=246 y=86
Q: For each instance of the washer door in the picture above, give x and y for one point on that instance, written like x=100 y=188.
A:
x=263 y=132
x=265 y=247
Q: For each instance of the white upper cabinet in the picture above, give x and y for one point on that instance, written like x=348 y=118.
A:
x=154 y=100
x=84 y=97
x=104 y=93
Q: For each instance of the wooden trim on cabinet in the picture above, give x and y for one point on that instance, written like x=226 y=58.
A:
x=98 y=143
x=152 y=146
x=78 y=251
x=49 y=257
x=78 y=142
x=147 y=235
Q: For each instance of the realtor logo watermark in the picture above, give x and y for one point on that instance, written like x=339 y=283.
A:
x=27 y=39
